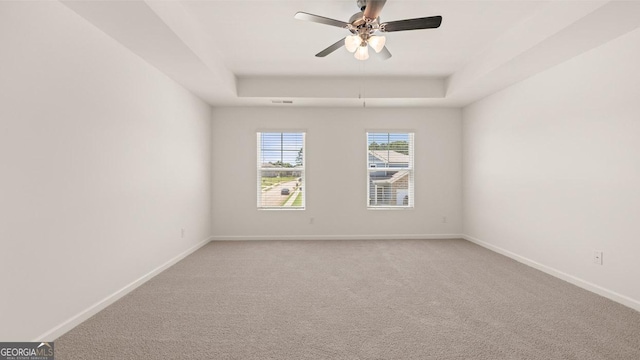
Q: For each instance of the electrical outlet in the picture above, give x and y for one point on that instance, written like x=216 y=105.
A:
x=597 y=257
x=311 y=220
x=182 y=233
x=444 y=219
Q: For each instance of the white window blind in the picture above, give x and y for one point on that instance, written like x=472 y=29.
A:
x=390 y=169
x=281 y=170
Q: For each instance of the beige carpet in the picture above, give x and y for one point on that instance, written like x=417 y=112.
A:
x=402 y=299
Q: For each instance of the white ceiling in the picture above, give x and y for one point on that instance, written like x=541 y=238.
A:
x=240 y=52
x=263 y=38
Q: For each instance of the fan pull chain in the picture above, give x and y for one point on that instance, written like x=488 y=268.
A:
x=363 y=88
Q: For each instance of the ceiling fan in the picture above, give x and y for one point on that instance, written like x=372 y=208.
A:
x=364 y=24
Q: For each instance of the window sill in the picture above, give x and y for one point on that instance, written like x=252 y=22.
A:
x=281 y=208
x=377 y=208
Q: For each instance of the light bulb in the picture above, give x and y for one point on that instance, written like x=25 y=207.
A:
x=362 y=53
x=352 y=42
x=377 y=42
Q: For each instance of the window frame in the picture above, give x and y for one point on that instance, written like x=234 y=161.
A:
x=410 y=168
x=260 y=169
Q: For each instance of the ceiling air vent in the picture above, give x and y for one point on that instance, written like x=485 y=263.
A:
x=282 y=101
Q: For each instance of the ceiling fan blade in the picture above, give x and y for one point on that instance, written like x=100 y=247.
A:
x=431 y=22
x=373 y=8
x=338 y=44
x=385 y=54
x=320 y=19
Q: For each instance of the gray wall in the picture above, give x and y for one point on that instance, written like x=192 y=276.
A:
x=103 y=161
x=552 y=170
x=336 y=183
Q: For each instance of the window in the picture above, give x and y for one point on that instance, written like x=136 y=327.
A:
x=390 y=170
x=281 y=170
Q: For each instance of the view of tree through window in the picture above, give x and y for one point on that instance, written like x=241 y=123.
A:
x=281 y=170
x=390 y=168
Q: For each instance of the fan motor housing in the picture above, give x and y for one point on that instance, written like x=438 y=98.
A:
x=357 y=19
x=361 y=26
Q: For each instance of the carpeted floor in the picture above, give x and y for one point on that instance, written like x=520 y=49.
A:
x=400 y=299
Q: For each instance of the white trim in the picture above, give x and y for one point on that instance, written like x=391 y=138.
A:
x=301 y=169
x=612 y=295
x=100 y=305
x=410 y=169
x=337 y=237
x=391 y=130
x=390 y=207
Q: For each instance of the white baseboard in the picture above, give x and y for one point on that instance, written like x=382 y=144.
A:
x=337 y=237
x=612 y=295
x=100 y=305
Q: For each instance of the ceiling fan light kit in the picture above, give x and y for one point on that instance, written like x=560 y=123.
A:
x=357 y=45
x=362 y=53
x=377 y=42
x=352 y=42
x=363 y=26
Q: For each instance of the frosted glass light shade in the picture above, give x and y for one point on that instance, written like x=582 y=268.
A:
x=362 y=53
x=352 y=42
x=377 y=42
